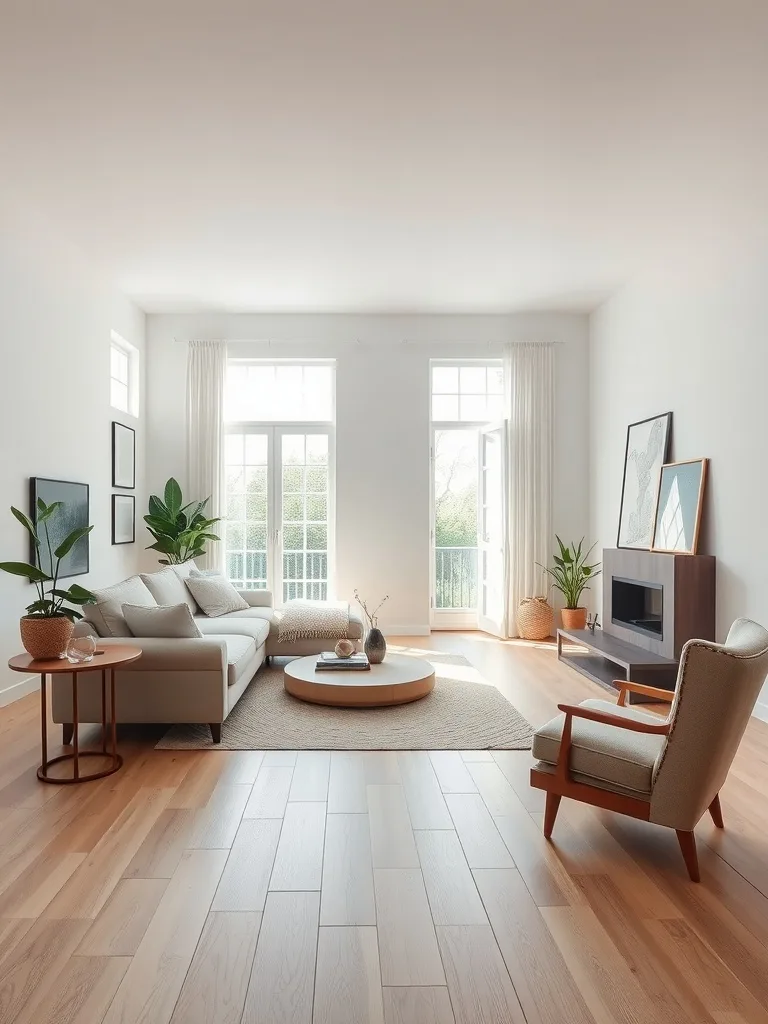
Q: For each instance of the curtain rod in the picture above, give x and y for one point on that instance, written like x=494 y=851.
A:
x=270 y=342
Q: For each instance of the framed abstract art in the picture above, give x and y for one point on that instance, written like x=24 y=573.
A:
x=648 y=444
x=679 y=505
x=73 y=515
x=123 y=456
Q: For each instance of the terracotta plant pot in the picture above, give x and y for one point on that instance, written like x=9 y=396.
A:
x=535 y=618
x=45 y=637
x=574 y=618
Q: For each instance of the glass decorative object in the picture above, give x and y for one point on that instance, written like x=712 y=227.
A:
x=80 y=649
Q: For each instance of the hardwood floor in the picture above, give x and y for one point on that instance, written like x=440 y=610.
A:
x=371 y=887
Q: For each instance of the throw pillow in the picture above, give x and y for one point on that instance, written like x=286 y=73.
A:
x=215 y=595
x=107 y=612
x=167 y=587
x=173 y=620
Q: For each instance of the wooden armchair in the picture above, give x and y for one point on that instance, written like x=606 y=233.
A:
x=665 y=770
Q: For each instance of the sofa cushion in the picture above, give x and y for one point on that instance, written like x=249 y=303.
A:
x=168 y=620
x=215 y=595
x=106 y=613
x=614 y=756
x=256 y=627
x=167 y=588
x=240 y=650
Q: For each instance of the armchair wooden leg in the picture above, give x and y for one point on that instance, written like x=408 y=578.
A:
x=687 y=842
x=550 y=813
x=216 y=732
x=717 y=812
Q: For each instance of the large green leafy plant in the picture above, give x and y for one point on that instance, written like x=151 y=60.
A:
x=52 y=602
x=571 y=574
x=180 y=531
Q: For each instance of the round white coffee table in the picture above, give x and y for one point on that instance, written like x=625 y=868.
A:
x=397 y=680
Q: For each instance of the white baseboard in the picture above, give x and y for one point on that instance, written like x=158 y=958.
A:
x=18 y=690
x=405 y=630
x=761 y=711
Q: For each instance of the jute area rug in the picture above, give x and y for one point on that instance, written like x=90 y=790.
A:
x=462 y=713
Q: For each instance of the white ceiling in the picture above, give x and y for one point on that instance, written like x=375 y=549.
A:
x=400 y=155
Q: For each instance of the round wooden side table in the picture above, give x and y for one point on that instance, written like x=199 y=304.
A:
x=103 y=661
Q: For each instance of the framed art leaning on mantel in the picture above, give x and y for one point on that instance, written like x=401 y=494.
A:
x=679 y=505
x=648 y=444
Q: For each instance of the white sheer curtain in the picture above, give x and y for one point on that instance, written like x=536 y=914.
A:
x=529 y=382
x=206 y=373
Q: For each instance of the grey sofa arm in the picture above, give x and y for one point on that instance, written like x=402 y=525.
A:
x=161 y=654
x=257 y=598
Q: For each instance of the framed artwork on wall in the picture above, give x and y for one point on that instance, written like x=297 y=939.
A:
x=678 y=506
x=648 y=444
x=73 y=515
x=123 y=456
x=123 y=519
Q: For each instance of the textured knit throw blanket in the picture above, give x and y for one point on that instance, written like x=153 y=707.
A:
x=310 y=620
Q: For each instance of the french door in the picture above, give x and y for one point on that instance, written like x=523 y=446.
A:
x=492 y=531
x=278 y=533
x=468 y=530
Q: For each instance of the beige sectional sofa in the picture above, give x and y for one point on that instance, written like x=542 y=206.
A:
x=196 y=679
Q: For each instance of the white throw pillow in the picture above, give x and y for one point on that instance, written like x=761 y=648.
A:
x=167 y=587
x=173 y=620
x=215 y=595
x=107 y=613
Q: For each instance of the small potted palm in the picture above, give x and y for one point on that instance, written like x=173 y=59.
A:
x=571 y=575
x=180 y=531
x=47 y=627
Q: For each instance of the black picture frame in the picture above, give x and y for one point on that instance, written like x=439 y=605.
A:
x=117 y=500
x=74 y=515
x=122 y=436
x=639 y=486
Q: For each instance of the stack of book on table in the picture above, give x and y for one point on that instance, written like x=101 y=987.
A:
x=329 y=660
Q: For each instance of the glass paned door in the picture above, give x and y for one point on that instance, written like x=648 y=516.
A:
x=304 y=515
x=278 y=528
x=491 y=514
x=248 y=494
x=454 y=531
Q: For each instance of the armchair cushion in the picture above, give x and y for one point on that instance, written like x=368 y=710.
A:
x=603 y=753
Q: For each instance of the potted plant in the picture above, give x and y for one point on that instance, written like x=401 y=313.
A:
x=47 y=627
x=572 y=575
x=180 y=530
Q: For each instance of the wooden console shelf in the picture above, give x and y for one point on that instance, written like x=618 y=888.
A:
x=603 y=658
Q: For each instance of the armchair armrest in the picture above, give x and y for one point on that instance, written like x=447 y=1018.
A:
x=572 y=711
x=626 y=687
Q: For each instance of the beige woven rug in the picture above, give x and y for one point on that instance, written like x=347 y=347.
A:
x=461 y=713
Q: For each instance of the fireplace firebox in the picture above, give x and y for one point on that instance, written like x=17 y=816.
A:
x=638 y=605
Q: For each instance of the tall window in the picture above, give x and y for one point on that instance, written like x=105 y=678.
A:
x=123 y=376
x=465 y=398
x=279 y=452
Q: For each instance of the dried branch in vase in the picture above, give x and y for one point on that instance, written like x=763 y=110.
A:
x=371 y=617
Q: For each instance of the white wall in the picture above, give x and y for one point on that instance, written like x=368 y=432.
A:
x=56 y=317
x=382 y=425
x=698 y=345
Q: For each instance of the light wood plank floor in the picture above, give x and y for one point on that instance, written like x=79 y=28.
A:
x=198 y=887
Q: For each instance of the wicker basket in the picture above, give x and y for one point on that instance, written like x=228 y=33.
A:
x=45 y=636
x=535 y=618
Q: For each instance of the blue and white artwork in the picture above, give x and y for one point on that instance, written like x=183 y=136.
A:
x=71 y=516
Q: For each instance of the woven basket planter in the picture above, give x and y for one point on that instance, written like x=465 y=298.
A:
x=45 y=637
x=535 y=618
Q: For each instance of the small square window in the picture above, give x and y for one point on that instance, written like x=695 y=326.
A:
x=123 y=376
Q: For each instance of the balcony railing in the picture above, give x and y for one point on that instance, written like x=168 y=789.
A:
x=456 y=577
